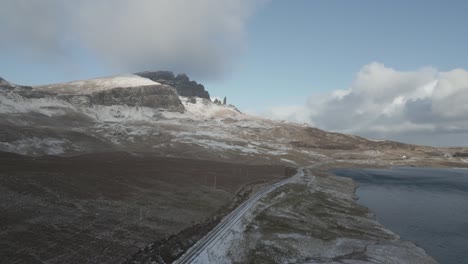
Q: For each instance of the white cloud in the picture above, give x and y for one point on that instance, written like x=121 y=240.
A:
x=31 y=26
x=424 y=106
x=200 y=37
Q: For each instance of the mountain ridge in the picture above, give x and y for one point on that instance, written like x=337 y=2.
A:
x=107 y=112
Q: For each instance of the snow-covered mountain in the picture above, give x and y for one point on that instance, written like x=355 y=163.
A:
x=97 y=84
x=136 y=114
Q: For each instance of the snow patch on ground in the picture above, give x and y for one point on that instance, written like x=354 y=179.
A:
x=204 y=108
x=121 y=113
x=97 y=84
x=289 y=161
x=372 y=153
x=376 y=140
x=48 y=146
x=217 y=145
x=217 y=139
x=312 y=154
x=14 y=103
x=216 y=134
x=224 y=251
x=254 y=122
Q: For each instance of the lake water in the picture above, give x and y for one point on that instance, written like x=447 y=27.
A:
x=427 y=206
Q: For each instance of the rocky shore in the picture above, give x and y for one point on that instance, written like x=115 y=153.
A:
x=315 y=220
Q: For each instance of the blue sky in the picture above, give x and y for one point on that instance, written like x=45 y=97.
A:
x=297 y=48
x=381 y=69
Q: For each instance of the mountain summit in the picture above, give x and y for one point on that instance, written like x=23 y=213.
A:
x=128 y=89
x=181 y=82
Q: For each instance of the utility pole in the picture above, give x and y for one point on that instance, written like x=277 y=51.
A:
x=141 y=214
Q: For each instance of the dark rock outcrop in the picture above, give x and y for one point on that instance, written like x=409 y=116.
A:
x=156 y=96
x=181 y=82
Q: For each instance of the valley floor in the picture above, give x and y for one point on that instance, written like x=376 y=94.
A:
x=106 y=207
x=103 y=208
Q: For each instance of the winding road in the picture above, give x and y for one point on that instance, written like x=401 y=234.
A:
x=229 y=221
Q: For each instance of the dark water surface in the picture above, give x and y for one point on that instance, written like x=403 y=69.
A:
x=427 y=206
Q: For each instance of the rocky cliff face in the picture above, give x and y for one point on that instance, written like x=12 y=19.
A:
x=182 y=83
x=154 y=96
x=129 y=90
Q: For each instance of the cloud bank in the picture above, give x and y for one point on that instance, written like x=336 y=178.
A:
x=424 y=106
x=200 y=37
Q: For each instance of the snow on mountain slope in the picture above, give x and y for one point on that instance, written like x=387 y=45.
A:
x=204 y=108
x=50 y=146
x=97 y=84
x=36 y=123
x=13 y=103
x=204 y=126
